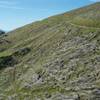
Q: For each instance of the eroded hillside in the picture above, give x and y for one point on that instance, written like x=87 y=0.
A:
x=57 y=58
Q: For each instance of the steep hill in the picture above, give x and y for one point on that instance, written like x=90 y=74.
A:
x=57 y=58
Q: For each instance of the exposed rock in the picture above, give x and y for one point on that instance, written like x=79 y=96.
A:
x=66 y=97
x=95 y=94
x=98 y=59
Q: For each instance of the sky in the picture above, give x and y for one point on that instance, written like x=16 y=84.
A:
x=16 y=13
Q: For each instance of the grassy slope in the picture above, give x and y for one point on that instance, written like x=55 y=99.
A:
x=72 y=39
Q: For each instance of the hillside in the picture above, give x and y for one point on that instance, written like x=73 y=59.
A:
x=57 y=58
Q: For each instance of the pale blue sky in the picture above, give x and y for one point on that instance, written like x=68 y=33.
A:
x=16 y=13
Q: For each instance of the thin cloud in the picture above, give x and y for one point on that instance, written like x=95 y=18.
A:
x=95 y=0
x=10 y=5
x=7 y=3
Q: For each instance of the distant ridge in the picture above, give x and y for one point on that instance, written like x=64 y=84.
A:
x=2 y=32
